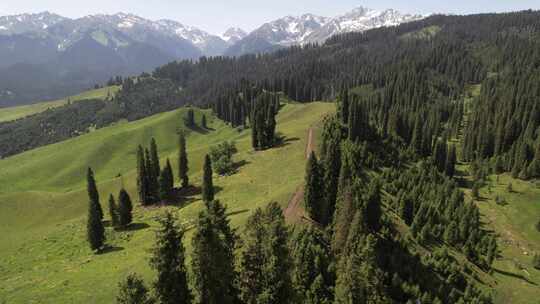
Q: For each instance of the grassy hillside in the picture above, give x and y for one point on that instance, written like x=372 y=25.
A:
x=43 y=200
x=12 y=113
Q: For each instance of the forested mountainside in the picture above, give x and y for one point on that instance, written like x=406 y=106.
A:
x=426 y=112
x=417 y=72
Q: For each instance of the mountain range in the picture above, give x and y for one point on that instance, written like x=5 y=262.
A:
x=46 y=56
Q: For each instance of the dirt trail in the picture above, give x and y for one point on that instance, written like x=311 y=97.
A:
x=294 y=211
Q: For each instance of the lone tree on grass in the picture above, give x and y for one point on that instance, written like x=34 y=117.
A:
x=190 y=118
x=125 y=208
x=93 y=193
x=168 y=258
x=182 y=160
x=95 y=231
x=207 y=186
x=133 y=291
x=203 y=122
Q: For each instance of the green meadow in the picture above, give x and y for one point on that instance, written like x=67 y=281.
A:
x=43 y=200
x=12 y=113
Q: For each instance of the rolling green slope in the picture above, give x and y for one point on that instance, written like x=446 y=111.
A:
x=12 y=113
x=43 y=200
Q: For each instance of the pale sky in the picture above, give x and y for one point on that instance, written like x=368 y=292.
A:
x=216 y=16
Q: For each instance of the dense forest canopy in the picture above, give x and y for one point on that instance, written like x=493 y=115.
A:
x=415 y=72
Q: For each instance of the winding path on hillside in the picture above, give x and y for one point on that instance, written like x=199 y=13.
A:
x=294 y=211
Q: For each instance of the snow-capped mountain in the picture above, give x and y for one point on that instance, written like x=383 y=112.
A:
x=358 y=20
x=309 y=28
x=233 y=35
x=23 y=23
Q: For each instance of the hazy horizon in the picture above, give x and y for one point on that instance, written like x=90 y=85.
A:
x=215 y=17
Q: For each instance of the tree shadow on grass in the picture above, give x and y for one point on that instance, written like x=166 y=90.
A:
x=110 y=249
x=515 y=275
x=239 y=164
x=136 y=226
x=236 y=212
x=282 y=141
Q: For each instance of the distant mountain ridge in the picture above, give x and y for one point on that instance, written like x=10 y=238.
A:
x=47 y=56
x=309 y=28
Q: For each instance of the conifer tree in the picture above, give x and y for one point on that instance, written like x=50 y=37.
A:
x=190 y=118
x=312 y=277
x=212 y=261
x=313 y=196
x=154 y=158
x=373 y=211
x=331 y=164
x=153 y=182
x=182 y=160
x=93 y=193
x=168 y=259
x=113 y=212
x=440 y=155
x=407 y=210
x=95 y=232
x=125 y=208
x=203 y=122
x=451 y=161
x=142 y=177
x=133 y=291
x=207 y=186
x=265 y=262
x=166 y=182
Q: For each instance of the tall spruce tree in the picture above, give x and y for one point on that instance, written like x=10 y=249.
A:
x=265 y=275
x=125 y=208
x=168 y=259
x=207 y=186
x=154 y=157
x=166 y=182
x=450 y=165
x=113 y=212
x=312 y=274
x=133 y=291
x=331 y=164
x=142 y=177
x=93 y=193
x=95 y=232
x=153 y=182
x=182 y=160
x=203 y=122
x=313 y=194
x=212 y=261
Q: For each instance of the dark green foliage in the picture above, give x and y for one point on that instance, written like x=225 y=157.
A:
x=167 y=259
x=153 y=182
x=182 y=160
x=113 y=212
x=166 y=183
x=189 y=120
x=314 y=187
x=263 y=120
x=358 y=279
x=343 y=104
x=133 y=291
x=265 y=275
x=373 y=211
x=439 y=155
x=312 y=276
x=221 y=157
x=142 y=177
x=95 y=232
x=212 y=261
x=154 y=158
x=140 y=99
x=406 y=210
x=538 y=226
x=93 y=194
x=450 y=165
x=203 y=122
x=331 y=164
x=125 y=208
x=208 y=185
